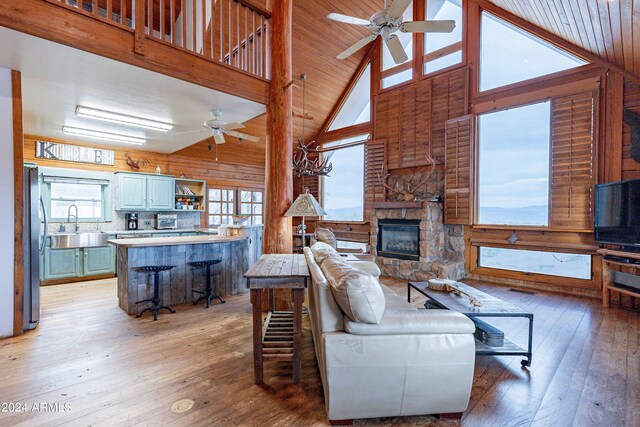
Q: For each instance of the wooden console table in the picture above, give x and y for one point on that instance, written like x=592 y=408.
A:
x=607 y=285
x=279 y=338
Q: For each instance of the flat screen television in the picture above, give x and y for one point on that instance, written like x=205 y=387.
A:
x=617 y=213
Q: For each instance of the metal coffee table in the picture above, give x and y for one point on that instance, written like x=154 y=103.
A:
x=491 y=307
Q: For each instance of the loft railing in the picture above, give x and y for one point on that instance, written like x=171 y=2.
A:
x=231 y=32
x=117 y=12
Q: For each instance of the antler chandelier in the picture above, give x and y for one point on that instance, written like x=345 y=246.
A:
x=307 y=161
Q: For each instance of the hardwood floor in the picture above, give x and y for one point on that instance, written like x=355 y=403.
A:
x=113 y=369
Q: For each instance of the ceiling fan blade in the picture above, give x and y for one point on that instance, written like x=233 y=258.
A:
x=190 y=131
x=428 y=26
x=396 y=49
x=219 y=138
x=356 y=47
x=397 y=8
x=234 y=125
x=243 y=136
x=347 y=19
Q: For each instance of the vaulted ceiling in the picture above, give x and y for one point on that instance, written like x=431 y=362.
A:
x=316 y=42
x=608 y=29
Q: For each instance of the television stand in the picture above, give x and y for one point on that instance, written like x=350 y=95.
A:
x=613 y=260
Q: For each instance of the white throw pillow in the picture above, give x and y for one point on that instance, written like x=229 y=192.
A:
x=321 y=251
x=357 y=293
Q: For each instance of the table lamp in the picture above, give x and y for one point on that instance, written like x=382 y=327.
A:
x=305 y=205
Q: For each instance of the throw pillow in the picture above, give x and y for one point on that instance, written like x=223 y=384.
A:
x=358 y=294
x=321 y=251
x=326 y=235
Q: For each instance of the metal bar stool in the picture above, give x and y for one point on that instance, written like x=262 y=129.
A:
x=155 y=269
x=207 y=294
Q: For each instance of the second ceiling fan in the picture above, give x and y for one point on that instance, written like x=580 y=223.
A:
x=385 y=23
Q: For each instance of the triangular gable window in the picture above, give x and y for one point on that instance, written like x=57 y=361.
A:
x=356 y=108
x=510 y=55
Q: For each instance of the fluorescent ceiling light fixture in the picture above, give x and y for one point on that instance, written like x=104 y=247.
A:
x=110 y=116
x=102 y=135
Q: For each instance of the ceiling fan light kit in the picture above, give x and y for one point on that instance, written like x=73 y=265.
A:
x=385 y=23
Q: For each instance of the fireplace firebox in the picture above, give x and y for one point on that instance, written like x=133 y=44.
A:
x=399 y=238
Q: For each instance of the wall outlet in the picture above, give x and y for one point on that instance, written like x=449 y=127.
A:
x=147 y=223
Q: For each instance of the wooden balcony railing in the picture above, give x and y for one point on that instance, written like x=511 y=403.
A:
x=230 y=32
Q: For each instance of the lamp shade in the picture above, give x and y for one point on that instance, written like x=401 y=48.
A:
x=305 y=205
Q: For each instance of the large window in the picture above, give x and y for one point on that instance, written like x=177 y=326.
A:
x=343 y=189
x=442 y=50
x=513 y=166
x=510 y=55
x=576 y=266
x=356 y=108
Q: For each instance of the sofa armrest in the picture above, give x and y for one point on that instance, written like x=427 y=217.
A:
x=405 y=322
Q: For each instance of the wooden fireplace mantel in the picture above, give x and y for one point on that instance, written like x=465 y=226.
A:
x=397 y=205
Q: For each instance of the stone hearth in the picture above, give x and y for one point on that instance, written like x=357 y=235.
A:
x=441 y=246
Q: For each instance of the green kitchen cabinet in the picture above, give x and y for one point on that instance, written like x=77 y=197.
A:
x=144 y=192
x=132 y=191
x=98 y=260
x=61 y=263
x=160 y=190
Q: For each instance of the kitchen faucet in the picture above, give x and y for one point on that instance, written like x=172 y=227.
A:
x=75 y=216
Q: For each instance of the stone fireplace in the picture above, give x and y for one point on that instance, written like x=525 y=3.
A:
x=411 y=241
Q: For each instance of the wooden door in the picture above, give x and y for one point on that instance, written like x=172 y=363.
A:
x=160 y=191
x=61 y=263
x=132 y=191
x=100 y=260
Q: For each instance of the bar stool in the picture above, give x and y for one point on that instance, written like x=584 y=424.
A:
x=155 y=269
x=207 y=294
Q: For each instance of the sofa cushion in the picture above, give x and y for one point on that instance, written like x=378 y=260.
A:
x=326 y=235
x=358 y=294
x=405 y=322
x=367 y=266
x=321 y=251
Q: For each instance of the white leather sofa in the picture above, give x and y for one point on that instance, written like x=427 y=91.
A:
x=412 y=362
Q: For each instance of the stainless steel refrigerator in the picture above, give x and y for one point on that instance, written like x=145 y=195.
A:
x=34 y=238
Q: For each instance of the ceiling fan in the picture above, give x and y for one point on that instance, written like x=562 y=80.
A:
x=219 y=129
x=385 y=23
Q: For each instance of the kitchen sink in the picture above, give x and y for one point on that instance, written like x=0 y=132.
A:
x=78 y=240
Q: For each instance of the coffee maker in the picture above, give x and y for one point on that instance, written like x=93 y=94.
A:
x=132 y=221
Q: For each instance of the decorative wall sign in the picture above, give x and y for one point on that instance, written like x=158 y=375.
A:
x=73 y=153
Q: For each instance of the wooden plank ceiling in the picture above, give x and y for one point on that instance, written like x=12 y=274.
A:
x=608 y=29
x=316 y=42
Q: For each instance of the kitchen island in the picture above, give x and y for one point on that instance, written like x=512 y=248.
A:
x=176 y=285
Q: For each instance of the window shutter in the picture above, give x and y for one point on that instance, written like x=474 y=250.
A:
x=459 y=161
x=572 y=161
x=374 y=164
x=388 y=124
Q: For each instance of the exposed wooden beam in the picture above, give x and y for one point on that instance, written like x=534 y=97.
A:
x=18 y=161
x=57 y=24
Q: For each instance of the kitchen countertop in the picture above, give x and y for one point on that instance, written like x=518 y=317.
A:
x=172 y=241
x=154 y=231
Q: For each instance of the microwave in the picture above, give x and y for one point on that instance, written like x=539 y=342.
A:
x=166 y=221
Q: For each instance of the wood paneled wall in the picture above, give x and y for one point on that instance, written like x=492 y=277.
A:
x=221 y=173
x=412 y=118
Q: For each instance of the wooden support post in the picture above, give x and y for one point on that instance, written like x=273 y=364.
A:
x=139 y=35
x=298 y=299
x=18 y=161
x=279 y=178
